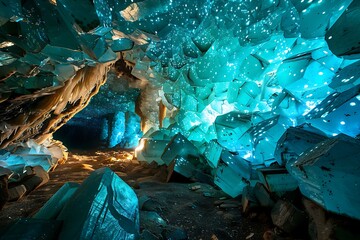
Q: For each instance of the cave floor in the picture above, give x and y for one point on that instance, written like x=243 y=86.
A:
x=199 y=209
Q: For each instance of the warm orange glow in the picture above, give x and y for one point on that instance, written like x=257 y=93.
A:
x=140 y=147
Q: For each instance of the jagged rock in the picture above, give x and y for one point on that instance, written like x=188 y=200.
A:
x=324 y=225
x=263 y=196
x=277 y=180
x=248 y=199
x=55 y=204
x=321 y=227
x=109 y=209
x=35 y=181
x=5 y=171
x=287 y=217
x=58 y=151
x=32 y=154
x=17 y=192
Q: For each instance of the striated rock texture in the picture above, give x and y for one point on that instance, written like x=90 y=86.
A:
x=39 y=114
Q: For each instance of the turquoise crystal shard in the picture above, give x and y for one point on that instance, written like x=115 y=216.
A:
x=329 y=176
x=109 y=209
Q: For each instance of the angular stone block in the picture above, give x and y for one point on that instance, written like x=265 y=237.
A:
x=346 y=78
x=103 y=207
x=182 y=166
x=296 y=141
x=212 y=153
x=248 y=199
x=17 y=192
x=230 y=127
x=179 y=146
x=263 y=196
x=150 y=150
x=33 y=182
x=229 y=181
x=238 y=164
x=287 y=217
x=277 y=179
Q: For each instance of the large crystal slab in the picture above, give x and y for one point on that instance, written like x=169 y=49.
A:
x=229 y=181
x=264 y=135
x=152 y=146
x=132 y=131
x=339 y=33
x=316 y=16
x=182 y=166
x=117 y=129
x=296 y=141
x=179 y=146
x=151 y=150
x=230 y=128
x=238 y=164
x=328 y=174
x=109 y=209
x=347 y=77
x=212 y=153
x=338 y=113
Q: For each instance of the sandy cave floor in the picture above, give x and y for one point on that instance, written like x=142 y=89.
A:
x=181 y=205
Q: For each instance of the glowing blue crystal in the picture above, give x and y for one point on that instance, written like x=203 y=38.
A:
x=109 y=209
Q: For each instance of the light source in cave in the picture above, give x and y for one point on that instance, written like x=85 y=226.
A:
x=224 y=88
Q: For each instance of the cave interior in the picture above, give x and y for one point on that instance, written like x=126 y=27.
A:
x=140 y=119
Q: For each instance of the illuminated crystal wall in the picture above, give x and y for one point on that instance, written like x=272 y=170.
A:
x=230 y=76
x=242 y=72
